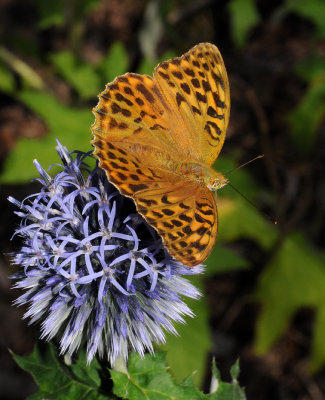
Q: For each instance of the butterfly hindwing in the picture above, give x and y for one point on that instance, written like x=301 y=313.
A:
x=185 y=218
x=127 y=171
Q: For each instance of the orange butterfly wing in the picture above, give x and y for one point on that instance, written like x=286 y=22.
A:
x=196 y=85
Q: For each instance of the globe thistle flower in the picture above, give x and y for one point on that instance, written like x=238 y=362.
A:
x=94 y=272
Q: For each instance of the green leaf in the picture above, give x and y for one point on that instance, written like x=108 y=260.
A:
x=115 y=62
x=82 y=77
x=305 y=119
x=53 y=13
x=188 y=351
x=224 y=390
x=244 y=17
x=188 y=381
x=234 y=371
x=228 y=391
x=7 y=82
x=50 y=13
x=59 y=381
x=147 y=66
x=294 y=278
x=311 y=68
x=148 y=379
x=215 y=371
x=238 y=219
x=71 y=126
x=223 y=259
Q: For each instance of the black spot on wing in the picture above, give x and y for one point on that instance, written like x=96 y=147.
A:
x=189 y=72
x=120 y=97
x=179 y=99
x=196 y=83
x=165 y=200
x=136 y=188
x=178 y=75
x=213 y=113
x=146 y=93
x=186 y=88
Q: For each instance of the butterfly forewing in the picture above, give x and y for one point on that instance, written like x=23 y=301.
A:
x=145 y=128
x=196 y=85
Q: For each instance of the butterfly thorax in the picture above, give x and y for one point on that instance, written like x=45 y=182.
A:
x=208 y=176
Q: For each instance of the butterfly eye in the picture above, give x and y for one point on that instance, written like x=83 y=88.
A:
x=217 y=182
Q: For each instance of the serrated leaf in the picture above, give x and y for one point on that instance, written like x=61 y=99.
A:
x=294 y=278
x=148 y=379
x=188 y=381
x=234 y=371
x=82 y=77
x=224 y=390
x=228 y=391
x=115 y=62
x=69 y=125
x=59 y=381
x=244 y=17
x=187 y=352
x=215 y=370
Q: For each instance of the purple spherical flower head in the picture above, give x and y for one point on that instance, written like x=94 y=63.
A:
x=94 y=272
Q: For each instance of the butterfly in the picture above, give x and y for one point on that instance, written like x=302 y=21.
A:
x=157 y=138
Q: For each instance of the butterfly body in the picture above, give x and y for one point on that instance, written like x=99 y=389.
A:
x=202 y=174
x=157 y=139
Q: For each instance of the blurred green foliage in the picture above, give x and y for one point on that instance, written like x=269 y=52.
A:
x=53 y=13
x=82 y=77
x=294 y=278
x=314 y=10
x=114 y=63
x=70 y=125
x=310 y=112
x=64 y=123
x=244 y=17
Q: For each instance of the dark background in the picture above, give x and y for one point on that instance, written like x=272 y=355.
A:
x=274 y=55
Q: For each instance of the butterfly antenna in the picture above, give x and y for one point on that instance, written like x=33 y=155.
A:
x=243 y=165
x=274 y=221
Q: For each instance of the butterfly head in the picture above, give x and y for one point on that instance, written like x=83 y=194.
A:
x=217 y=181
